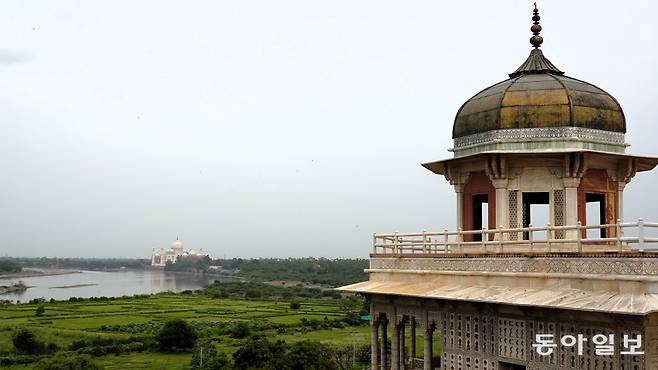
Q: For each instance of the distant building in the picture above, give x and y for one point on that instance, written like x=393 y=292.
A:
x=175 y=253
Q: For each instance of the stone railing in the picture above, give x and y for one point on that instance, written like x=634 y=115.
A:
x=622 y=237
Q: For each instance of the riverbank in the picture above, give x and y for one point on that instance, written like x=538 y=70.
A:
x=72 y=286
x=27 y=272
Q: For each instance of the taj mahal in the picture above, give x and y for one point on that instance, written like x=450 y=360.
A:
x=174 y=253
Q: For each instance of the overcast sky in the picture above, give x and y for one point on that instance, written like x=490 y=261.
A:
x=272 y=128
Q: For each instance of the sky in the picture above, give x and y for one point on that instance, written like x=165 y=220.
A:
x=272 y=128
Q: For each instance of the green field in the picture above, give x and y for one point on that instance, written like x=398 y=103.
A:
x=66 y=322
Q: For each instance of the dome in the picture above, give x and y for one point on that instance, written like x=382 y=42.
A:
x=539 y=103
x=539 y=98
x=177 y=244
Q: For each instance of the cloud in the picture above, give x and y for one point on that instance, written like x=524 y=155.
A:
x=14 y=57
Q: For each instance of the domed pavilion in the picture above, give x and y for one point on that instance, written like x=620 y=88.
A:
x=542 y=271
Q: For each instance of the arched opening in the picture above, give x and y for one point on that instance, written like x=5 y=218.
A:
x=595 y=214
x=478 y=206
x=597 y=203
x=535 y=212
x=480 y=214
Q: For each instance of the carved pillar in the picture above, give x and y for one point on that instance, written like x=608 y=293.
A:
x=395 y=346
x=427 y=348
x=502 y=202
x=374 y=340
x=384 y=345
x=571 y=204
x=457 y=179
x=412 y=338
x=620 y=200
x=574 y=168
x=402 y=343
x=626 y=173
x=459 y=190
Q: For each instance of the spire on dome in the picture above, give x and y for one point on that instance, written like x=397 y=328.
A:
x=536 y=40
x=536 y=62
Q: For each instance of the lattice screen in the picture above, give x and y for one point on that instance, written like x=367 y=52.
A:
x=489 y=334
x=459 y=361
x=589 y=359
x=476 y=341
x=511 y=339
x=630 y=362
x=449 y=324
x=567 y=357
x=513 y=213
x=541 y=327
x=558 y=212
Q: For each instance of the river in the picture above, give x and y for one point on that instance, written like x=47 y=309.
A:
x=99 y=283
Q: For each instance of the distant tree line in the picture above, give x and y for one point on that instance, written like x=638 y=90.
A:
x=8 y=266
x=257 y=290
x=78 y=263
x=189 y=265
x=331 y=272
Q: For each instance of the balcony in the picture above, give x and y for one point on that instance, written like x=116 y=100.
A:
x=629 y=238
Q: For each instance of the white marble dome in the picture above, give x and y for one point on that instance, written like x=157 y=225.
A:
x=177 y=244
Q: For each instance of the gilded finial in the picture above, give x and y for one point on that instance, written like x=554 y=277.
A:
x=536 y=40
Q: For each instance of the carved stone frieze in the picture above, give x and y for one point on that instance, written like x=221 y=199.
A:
x=619 y=266
x=581 y=133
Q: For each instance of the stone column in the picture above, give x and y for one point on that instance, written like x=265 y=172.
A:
x=402 y=343
x=374 y=340
x=571 y=204
x=502 y=203
x=412 y=338
x=620 y=200
x=459 y=190
x=383 y=345
x=395 y=346
x=427 y=349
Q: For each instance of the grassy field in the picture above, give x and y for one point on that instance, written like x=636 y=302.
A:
x=66 y=322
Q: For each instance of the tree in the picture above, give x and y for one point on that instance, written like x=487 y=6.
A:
x=351 y=303
x=347 y=356
x=240 y=330
x=259 y=353
x=40 y=310
x=253 y=293
x=25 y=342
x=295 y=305
x=308 y=355
x=353 y=318
x=176 y=335
x=206 y=357
x=68 y=362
